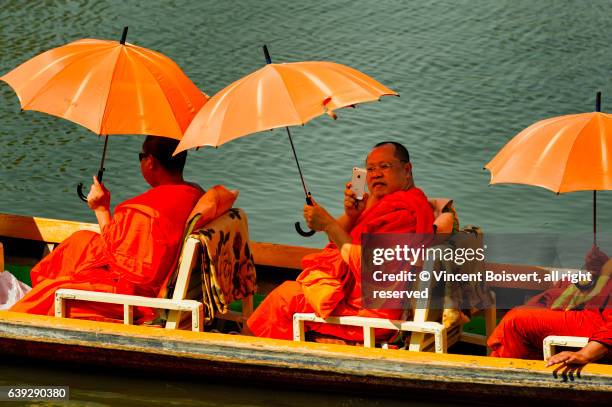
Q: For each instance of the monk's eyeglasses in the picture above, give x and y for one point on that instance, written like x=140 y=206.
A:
x=384 y=167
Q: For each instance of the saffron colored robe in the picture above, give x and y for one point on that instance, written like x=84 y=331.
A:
x=522 y=330
x=133 y=255
x=328 y=285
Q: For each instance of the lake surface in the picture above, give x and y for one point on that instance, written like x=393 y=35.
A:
x=103 y=388
x=471 y=75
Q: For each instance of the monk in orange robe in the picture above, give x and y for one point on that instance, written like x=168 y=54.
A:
x=136 y=248
x=565 y=310
x=330 y=283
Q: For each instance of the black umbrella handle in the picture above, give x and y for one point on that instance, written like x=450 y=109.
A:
x=298 y=227
x=80 y=193
x=80 y=185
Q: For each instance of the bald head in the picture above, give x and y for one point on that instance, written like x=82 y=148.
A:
x=388 y=169
x=401 y=152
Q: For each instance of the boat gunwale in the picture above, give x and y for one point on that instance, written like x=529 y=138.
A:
x=283 y=360
x=255 y=352
x=224 y=347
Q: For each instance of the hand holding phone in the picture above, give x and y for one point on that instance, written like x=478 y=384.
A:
x=358 y=182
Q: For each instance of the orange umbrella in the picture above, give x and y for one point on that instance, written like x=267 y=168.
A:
x=109 y=87
x=562 y=154
x=280 y=95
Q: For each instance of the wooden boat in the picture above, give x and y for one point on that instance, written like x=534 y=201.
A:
x=324 y=367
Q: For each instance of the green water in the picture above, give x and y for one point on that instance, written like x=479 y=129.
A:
x=98 y=389
x=471 y=74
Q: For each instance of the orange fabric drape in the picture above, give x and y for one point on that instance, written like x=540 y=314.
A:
x=132 y=255
x=522 y=330
x=329 y=286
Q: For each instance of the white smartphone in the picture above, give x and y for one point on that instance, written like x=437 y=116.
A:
x=358 y=182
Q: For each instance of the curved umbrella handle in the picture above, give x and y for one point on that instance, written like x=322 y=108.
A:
x=80 y=193
x=79 y=188
x=298 y=227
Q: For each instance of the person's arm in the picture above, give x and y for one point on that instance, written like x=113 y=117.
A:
x=345 y=222
x=595 y=260
x=98 y=200
x=320 y=220
x=352 y=208
x=338 y=230
x=341 y=239
x=590 y=353
x=600 y=343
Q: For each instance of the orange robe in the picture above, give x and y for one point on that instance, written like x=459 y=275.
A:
x=521 y=332
x=328 y=285
x=133 y=255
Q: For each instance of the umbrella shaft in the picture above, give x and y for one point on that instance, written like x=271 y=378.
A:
x=594 y=217
x=101 y=170
x=597 y=109
x=124 y=36
x=306 y=193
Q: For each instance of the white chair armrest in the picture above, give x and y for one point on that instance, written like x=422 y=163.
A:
x=129 y=301
x=552 y=341
x=369 y=324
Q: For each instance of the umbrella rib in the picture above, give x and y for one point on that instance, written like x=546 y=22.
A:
x=180 y=89
x=233 y=100
x=226 y=92
x=50 y=80
x=105 y=113
x=371 y=89
x=570 y=153
x=176 y=121
x=373 y=92
x=214 y=107
x=302 y=122
x=604 y=144
x=223 y=113
x=376 y=93
x=516 y=143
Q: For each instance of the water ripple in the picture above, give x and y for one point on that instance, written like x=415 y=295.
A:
x=471 y=75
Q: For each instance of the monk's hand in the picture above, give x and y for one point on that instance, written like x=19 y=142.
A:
x=317 y=217
x=595 y=259
x=569 y=358
x=98 y=197
x=353 y=206
x=590 y=353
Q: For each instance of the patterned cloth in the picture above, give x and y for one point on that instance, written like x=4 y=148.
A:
x=460 y=299
x=228 y=269
x=463 y=298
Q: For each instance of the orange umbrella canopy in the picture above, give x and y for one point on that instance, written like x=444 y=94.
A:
x=109 y=87
x=562 y=154
x=279 y=95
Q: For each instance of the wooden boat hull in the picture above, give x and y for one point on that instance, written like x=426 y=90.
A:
x=324 y=367
x=321 y=366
